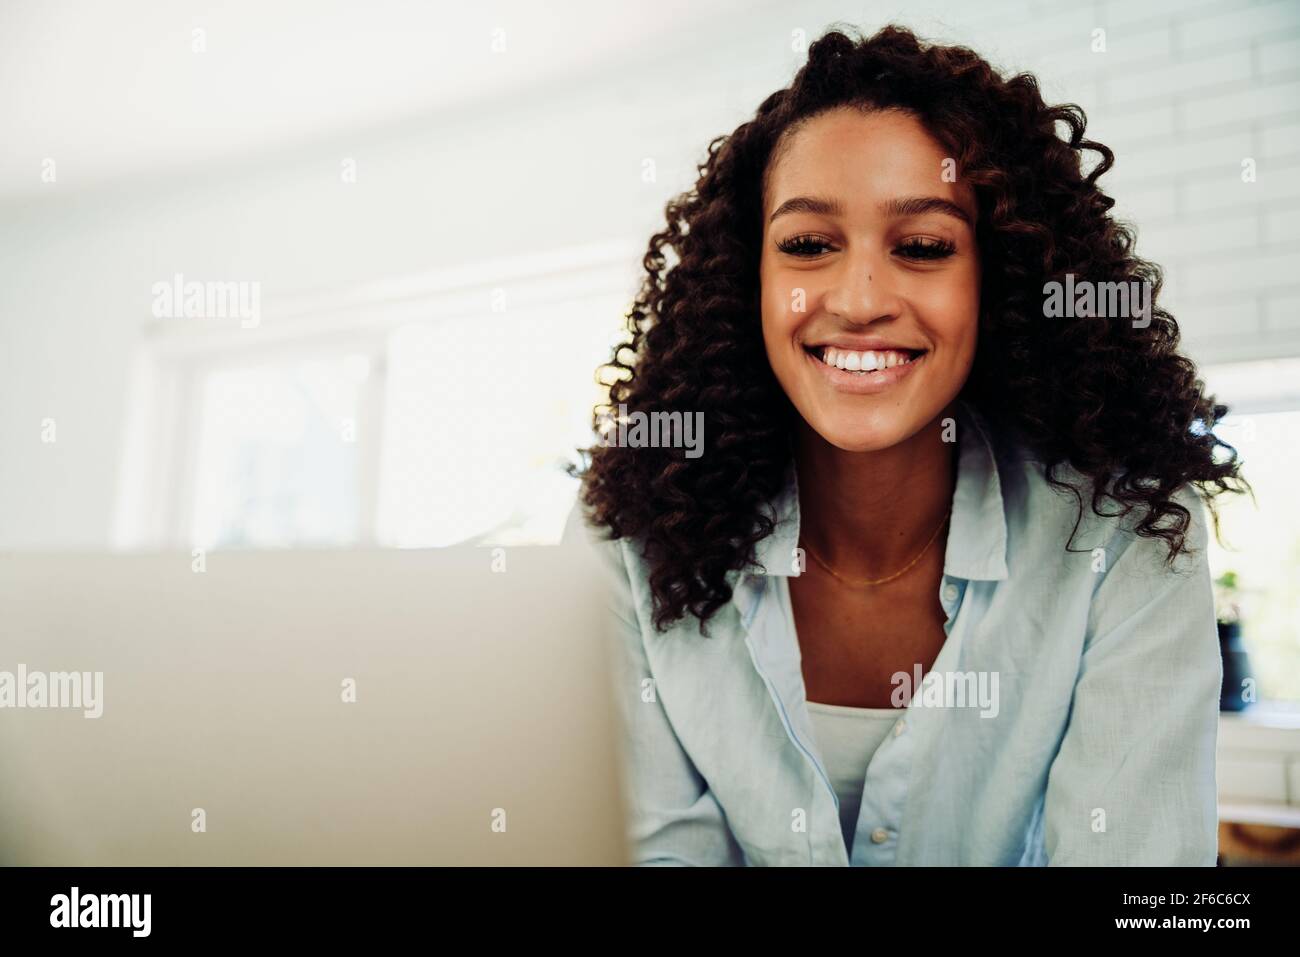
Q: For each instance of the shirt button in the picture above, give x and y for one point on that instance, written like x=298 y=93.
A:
x=900 y=727
x=950 y=592
x=879 y=835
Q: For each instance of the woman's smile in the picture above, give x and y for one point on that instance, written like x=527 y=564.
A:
x=864 y=373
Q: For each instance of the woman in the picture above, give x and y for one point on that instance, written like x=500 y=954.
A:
x=935 y=592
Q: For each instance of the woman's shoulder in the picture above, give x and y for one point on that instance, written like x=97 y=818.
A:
x=618 y=561
x=581 y=532
x=1044 y=514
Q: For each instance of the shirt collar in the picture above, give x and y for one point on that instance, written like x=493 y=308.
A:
x=977 y=537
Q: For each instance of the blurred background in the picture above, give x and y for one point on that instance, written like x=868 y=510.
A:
x=432 y=216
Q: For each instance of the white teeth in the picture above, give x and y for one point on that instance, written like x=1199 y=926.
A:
x=860 y=362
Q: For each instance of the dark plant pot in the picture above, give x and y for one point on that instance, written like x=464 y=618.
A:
x=1236 y=667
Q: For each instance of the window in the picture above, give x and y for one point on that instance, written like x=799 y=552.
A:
x=482 y=414
x=410 y=413
x=1263 y=540
x=277 y=461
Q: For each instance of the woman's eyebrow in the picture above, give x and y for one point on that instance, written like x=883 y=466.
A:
x=911 y=206
x=919 y=205
x=808 y=204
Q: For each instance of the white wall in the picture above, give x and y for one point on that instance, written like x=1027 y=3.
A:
x=1184 y=92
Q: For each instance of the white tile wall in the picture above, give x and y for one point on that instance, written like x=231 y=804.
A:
x=1185 y=92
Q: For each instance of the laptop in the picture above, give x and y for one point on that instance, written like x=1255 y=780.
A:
x=333 y=707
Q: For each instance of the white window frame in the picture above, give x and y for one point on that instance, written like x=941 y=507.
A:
x=1258 y=749
x=156 y=481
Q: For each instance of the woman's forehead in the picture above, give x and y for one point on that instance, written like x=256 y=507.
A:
x=859 y=159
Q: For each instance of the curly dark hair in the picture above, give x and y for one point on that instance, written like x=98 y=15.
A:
x=1116 y=402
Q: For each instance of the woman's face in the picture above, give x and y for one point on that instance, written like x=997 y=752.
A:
x=869 y=262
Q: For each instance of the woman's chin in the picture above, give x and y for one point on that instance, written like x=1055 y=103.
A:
x=858 y=438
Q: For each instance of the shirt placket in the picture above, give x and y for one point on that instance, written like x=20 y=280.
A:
x=887 y=782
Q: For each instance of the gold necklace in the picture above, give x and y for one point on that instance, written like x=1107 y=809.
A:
x=889 y=578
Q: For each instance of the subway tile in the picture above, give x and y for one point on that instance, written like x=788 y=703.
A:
x=1242 y=24
x=1259 y=102
x=1179 y=78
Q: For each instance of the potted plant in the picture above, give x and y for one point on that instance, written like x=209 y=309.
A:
x=1236 y=663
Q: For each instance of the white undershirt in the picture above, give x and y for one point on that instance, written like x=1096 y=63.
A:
x=847 y=738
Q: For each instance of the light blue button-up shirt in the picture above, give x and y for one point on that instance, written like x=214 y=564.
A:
x=1098 y=747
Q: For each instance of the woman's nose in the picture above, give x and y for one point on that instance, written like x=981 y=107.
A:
x=861 y=290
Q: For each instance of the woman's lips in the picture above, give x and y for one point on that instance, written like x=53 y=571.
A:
x=865 y=383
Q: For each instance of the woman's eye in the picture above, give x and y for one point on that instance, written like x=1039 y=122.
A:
x=806 y=245
x=921 y=248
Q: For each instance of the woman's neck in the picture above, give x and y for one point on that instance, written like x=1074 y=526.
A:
x=869 y=513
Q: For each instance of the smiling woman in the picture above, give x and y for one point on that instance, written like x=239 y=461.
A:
x=885 y=278
x=1008 y=500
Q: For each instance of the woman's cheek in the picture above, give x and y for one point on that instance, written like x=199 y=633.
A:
x=957 y=312
x=784 y=308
